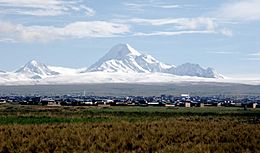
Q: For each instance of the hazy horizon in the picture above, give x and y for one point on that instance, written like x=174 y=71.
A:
x=220 y=34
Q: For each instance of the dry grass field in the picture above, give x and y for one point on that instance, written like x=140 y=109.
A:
x=128 y=129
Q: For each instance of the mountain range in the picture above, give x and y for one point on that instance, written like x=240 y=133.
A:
x=122 y=63
x=124 y=58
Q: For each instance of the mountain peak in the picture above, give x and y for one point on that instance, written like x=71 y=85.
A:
x=124 y=58
x=118 y=57
x=33 y=62
x=34 y=67
x=119 y=51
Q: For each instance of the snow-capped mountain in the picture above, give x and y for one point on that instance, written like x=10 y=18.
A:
x=189 y=69
x=35 y=70
x=124 y=58
x=2 y=71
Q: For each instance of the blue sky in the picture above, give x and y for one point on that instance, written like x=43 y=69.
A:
x=222 y=34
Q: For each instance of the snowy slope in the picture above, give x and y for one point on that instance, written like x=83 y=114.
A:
x=117 y=77
x=124 y=58
x=100 y=77
x=121 y=77
x=66 y=71
x=35 y=70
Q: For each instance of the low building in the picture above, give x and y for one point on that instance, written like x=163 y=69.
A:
x=187 y=104
x=201 y=104
x=49 y=102
x=2 y=101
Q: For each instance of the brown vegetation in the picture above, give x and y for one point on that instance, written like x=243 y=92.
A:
x=171 y=135
x=133 y=134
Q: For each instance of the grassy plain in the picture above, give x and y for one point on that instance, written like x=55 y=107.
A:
x=128 y=129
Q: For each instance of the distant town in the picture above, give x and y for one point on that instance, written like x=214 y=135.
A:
x=184 y=100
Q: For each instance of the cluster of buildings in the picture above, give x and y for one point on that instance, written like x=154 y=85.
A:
x=184 y=100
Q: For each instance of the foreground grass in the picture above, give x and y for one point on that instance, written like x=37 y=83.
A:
x=49 y=120
x=128 y=129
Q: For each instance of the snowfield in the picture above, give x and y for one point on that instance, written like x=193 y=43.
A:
x=115 y=77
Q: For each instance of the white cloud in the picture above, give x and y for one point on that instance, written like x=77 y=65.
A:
x=172 y=33
x=240 y=10
x=178 y=26
x=143 y=6
x=257 y=54
x=169 y=6
x=226 y=32
x=134 y=6
x=222 y=52
x=43 y=7
x=88 y=11
x=254 y=56
x=7 y=40
x=179 y=23
x=22 y=33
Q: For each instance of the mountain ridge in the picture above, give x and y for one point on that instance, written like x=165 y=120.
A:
x=124 y=58
x=190 y=69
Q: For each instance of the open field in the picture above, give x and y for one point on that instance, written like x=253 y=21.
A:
x=128 y=129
